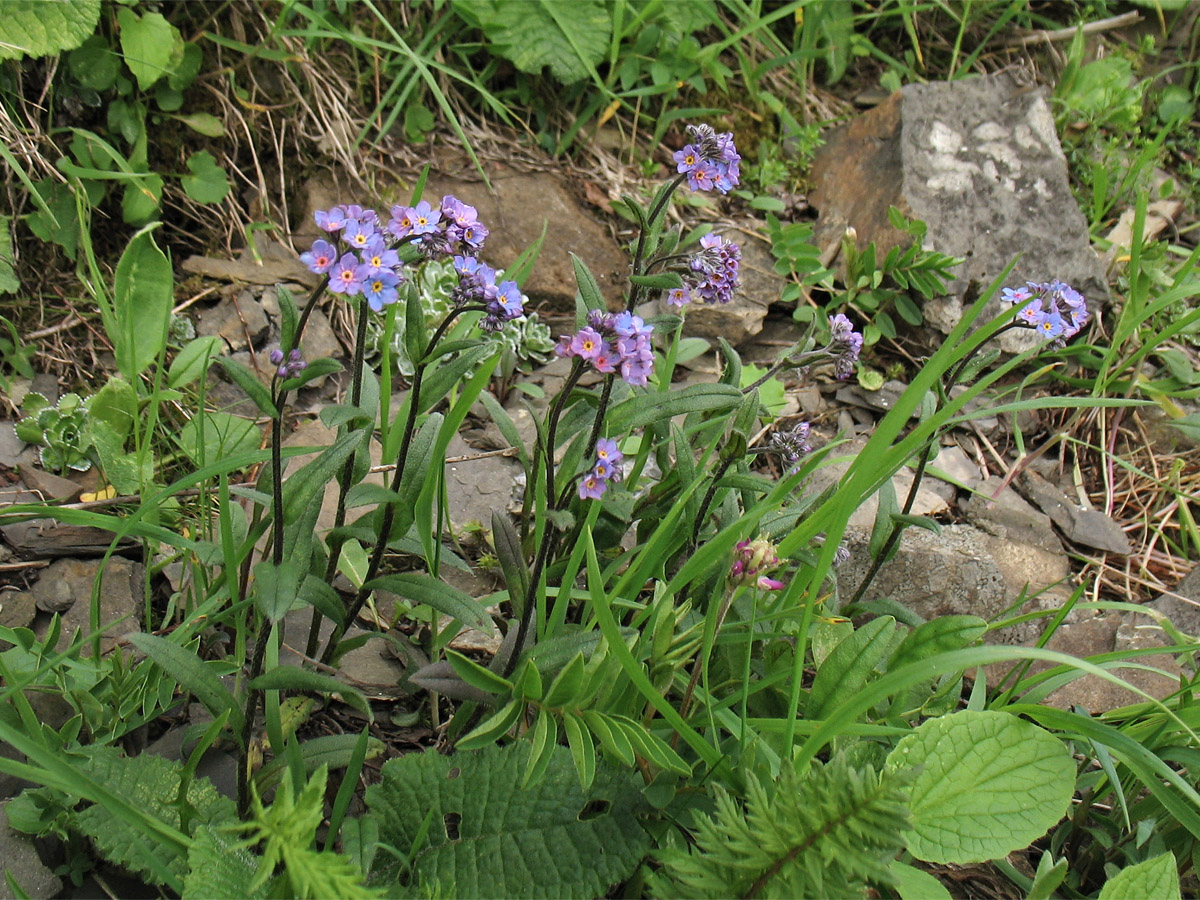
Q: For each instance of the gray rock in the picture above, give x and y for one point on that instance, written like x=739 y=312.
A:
x=238 y=320
x=1006 y=515
x=962 y=571
x=1106 y=633
x=977 y=160
x=1182 y=605
x=932 y=496
x=19 y=857
x=247 y=270
x=1089 y=527
x=475 y=487
x=66 y=588
x=14 y=451
x=50 y=486
x=17 y=609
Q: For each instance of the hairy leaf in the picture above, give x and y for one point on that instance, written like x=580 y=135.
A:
x=219 y=867
x=531 y=37
x=488 y=839
x=151 y=782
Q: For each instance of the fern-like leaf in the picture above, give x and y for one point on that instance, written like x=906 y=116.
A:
x=825 y=834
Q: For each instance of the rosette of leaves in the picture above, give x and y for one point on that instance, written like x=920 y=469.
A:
x=60 y=430
x=525 y=340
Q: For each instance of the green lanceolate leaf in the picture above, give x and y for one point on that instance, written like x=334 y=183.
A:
x=192 y=674
x=143 y=295
x=478 y=676
x=334 y=751
x=594 y=836
x=850 y=666
x=292 y=678
x=589 y=289
x=986 y=784
x=418 y=587
x=192 y=361
x=276 y=588
x=512 y=560
x=641 y=410
x=244 y=378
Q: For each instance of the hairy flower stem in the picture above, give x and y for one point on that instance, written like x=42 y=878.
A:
x=389 y=510
x=264 y=629
x=897 y=531
x=550 y=533
x=639 y=256
x=316 y=294
x=708 y=498
x=336 y=541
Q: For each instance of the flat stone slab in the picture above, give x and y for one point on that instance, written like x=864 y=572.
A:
x=980 y=163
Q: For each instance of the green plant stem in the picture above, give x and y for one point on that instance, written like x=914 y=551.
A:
x=337 y=541
x=722 y=468
x=307 y=311
x=897 y=531
x=243 y=763
x=635 y=291
x=389 y=510
x=806 y=359
x=548 y=536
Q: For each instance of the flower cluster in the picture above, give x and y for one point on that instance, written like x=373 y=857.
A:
x=292 y=367
x=846 y=343
x=712 y=274
x=752 y=561
x=1055 y=309
x=606 y=469
x=370 y=265
x=791 y=445
x=709 y=160
x=613 y=343
x=477 y=284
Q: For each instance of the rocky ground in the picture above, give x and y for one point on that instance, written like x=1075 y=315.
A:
x=978 y=161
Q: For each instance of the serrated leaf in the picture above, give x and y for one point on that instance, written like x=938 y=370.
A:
x=151 y=783
x=37 y=28
x=986 y=784
x=531 y=38
x=208 y=182
x=1157 y=877
x=593 y=837
x=219 y=866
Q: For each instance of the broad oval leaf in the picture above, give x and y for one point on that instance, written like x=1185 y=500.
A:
x=987 y=783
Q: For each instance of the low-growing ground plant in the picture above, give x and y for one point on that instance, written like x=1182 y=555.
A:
x=678 y=704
